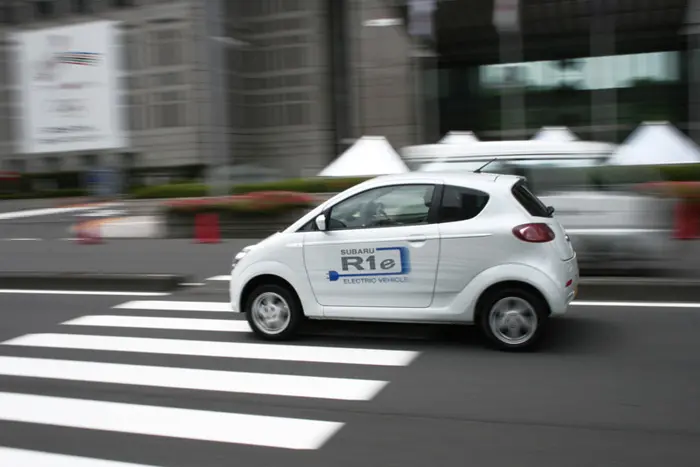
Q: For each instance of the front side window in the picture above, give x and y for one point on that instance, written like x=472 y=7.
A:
x=460 y=204
x=390 y=206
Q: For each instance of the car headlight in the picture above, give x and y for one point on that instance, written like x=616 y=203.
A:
x=239 y=256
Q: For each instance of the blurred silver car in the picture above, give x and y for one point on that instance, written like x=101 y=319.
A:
x=613 y=228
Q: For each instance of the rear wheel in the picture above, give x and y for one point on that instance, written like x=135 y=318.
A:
x=273 y=312
x=513 y=319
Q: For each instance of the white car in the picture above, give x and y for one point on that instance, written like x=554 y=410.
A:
x=457 y=248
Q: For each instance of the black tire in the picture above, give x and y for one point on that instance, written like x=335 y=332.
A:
x=537 y=308
x=296 y=314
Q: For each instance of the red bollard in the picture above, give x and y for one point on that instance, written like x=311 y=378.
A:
x=687 y=220
x=206 y=228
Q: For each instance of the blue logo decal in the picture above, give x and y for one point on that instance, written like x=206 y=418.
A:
x=373 y=262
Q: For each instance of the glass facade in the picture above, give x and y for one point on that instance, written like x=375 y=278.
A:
x=635 y=87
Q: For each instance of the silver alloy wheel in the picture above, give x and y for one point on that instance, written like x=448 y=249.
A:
x=513 y=320
x=271 y=313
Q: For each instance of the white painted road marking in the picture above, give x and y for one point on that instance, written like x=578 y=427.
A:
x=220 y=278
x=47 y=211
x=342 y=355
x=158 y=305
x=637 y=304
x=103 y=213
x=147 y=322
x=194 y=379
x=83 y=292
x=201 y=425
x=10 y=457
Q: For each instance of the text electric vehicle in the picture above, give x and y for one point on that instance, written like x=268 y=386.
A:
x=459 y=248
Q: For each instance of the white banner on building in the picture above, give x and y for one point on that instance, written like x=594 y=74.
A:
x=506 y=16
x=70 y=88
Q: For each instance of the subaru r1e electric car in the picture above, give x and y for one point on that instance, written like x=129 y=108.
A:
x=452 y=248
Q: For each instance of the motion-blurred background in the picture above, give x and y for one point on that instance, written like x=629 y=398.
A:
x=595 y=101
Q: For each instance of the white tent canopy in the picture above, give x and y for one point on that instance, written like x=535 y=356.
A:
x=459 y=137
x=369 y=156
x=656 y=143
x=555 y=133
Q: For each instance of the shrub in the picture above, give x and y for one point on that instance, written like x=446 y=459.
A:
x=200 y=190
x=257 y=204
x=304 y=185
x=65 y=193
x=173 y=190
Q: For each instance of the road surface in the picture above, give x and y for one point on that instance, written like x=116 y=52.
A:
x=613 y=386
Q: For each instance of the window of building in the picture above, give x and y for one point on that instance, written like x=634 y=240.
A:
x=122 y=3
x=167 y=79
x=169 y=109
x=132 y=51
x=5 y=135
x=80 y=6
x=52 y=164
x=460 y=204
x=44 y=9
x=587 y=73
x=89 y=161
x=167 y=47
x=136 y=113
x=8 y=14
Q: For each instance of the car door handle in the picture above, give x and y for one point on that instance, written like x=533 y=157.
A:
x=417 y=238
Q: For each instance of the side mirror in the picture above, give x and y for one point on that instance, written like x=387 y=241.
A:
x=321 y=222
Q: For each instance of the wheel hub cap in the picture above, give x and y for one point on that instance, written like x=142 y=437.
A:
x=513 y=320
x=271 y=313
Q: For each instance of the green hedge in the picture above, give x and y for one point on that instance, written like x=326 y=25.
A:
x=198 y=190
x=173 y=190
x=66 y=193
x=302 y=185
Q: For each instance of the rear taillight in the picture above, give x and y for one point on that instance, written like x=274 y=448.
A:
x=534 y=233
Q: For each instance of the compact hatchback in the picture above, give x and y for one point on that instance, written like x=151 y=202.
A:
x=454 y=248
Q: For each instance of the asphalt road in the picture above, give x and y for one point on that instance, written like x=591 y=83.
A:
x=612 y=386
x=199 y=261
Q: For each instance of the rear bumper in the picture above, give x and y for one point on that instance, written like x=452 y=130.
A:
x=569 y=290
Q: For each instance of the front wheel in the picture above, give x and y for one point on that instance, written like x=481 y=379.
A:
x=513 y=319
x=273 y=312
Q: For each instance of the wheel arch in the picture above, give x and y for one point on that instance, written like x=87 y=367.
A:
x=507 y=284
x=264 y=279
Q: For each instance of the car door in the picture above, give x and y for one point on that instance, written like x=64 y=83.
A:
x=466 y=240
x=380 y=249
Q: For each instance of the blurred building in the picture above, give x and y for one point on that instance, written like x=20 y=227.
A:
x=599 y=67
x=286 y=84
x=289 y=84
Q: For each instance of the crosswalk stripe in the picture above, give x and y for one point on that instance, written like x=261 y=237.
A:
x=220 y=278
x=166 y=305
x=194 y=379
x=170 y=422
x=316 y=354
x=147 y=322
x=11 y=457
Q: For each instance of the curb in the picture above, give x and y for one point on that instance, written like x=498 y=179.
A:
x=123 y=227
x=638 y=289
x=92 y=281
x=93 y=225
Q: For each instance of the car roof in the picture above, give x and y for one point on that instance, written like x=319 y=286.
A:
x=467 y=179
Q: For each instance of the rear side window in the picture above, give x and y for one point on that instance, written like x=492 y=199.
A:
x=529 y=201
x=460 y=204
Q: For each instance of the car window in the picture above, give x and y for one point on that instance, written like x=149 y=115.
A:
x=529 y=201
x=459 y=204
x=390 y=206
